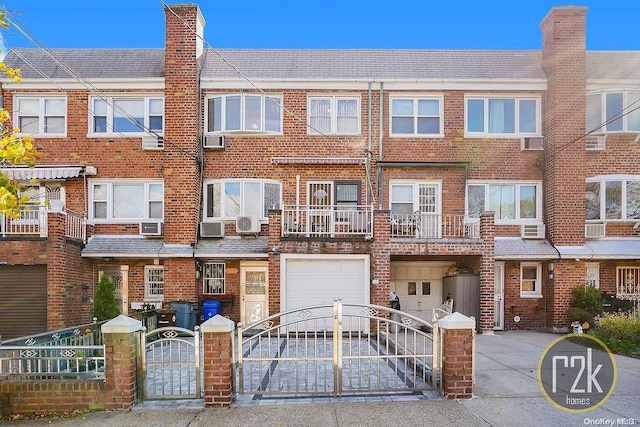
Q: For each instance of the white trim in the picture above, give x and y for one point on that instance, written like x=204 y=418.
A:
x=517 y=97
x=393 y=84
x=334 y=98
x=243 y=96
x=537 y=292
x=109 y=200
x=41 y=98
x=417 y=97
x=517 y=184
x=110 y=100
x=101 y=84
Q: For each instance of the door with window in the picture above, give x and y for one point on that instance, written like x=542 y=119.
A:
x=254 y=292
x=416 y=207
x=320 y=203
x=498 y=296
x=119 y=276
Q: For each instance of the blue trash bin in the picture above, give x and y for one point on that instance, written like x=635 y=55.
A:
x=184 y=314
x=210 y=309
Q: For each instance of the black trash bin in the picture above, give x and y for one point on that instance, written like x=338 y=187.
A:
x=185 y=316
x=166 y=317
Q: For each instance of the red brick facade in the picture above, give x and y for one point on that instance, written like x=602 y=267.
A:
x=380 y=160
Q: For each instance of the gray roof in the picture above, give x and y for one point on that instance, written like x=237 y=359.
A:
x=374 y=64
x=511 y=248
x=605 y=248
x=318 y=64
x=233 y=247
x=133 y=247
x=88 y=63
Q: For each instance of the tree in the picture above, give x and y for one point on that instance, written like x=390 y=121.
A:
x=15 y=149
x=104 y=303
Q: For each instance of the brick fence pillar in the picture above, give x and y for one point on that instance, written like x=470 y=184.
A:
x=457 y=355
x=217 y=336
x=121 y=341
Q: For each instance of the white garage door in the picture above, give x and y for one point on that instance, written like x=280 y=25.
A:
x=319 y=280
x=309 y=281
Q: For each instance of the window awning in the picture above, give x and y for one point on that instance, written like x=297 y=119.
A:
x=25 y=173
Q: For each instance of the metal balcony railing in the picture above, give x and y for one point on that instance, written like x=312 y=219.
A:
x=327 y=221
x=423 y=225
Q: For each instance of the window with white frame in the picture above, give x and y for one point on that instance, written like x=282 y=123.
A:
x=228 y=199
x=530 y=279
x=416 y=116
x=214 y=278
x=613 y=111
x=41 y=115
x=126 y=115
x=337 y=115
x=154 y=283
x=592 y=274
x=510 y=201
x=502 y=116
x=125 y=200
x=407 y=197
x=244 y=112
x=613 y=198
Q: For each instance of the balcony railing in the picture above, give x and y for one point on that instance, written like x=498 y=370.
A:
x=29 y=223
x=423 y=225
x=327 y=221
x=34 y=222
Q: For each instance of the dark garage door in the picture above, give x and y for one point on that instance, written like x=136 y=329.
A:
x=23 y=300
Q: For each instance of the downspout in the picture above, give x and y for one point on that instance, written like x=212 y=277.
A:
x=369 y=145
x=380 y=135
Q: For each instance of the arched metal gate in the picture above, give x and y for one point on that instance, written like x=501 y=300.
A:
x=337 y=349
x=171 y=364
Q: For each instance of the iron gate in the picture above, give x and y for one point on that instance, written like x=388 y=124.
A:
x=337 y=349
x=171 y=363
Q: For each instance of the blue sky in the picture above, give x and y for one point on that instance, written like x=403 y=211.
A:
x=411 y=24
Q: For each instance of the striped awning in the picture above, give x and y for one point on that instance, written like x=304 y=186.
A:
x=25 y=173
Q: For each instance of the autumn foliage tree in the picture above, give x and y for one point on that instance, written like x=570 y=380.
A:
x=15 y=149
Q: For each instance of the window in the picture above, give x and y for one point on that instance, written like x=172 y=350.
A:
x=530 y=280
x=41 y=115
x=347 y=193
x=228 y=199
x=126 y=115
x=154 y=283
x=336 y=115
x=409 y=197
x=213 y=278
x=244 y=113
x=510 y=201
x=416 y=116
x=613 y=111
x=592 y=274
x=502 y=116
x=612 y=198
x=126 y=200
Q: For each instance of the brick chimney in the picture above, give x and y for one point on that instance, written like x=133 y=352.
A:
x=183 y=47
x=564 y=60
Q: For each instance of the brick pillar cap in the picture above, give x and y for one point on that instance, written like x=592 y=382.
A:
x=457 y=321
x=121 y=325
x=217 y=323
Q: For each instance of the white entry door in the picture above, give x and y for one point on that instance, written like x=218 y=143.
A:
x=498 y=296
x=254 y=292
x=119 y=276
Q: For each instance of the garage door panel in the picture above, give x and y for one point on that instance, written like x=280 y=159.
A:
x=321 y=280
x=23 y=300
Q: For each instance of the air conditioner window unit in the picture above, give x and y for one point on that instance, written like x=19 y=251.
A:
x=596 y=142
x=247 y=224
x=533 y=143
x=213 y=141
x=212 y=229
x=151 y=228
x=152 y=142
x=532 y=231
x=595 y=230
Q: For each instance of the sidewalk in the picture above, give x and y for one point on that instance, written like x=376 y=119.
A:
x=506 y=394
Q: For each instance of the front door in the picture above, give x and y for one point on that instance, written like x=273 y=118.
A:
x=254 y=292
x=320 y=202
x=119 y=276
x=498 y=296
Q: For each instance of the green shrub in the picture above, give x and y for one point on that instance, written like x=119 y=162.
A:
x=619 y=326
x=104 y=303
x=588 y=298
